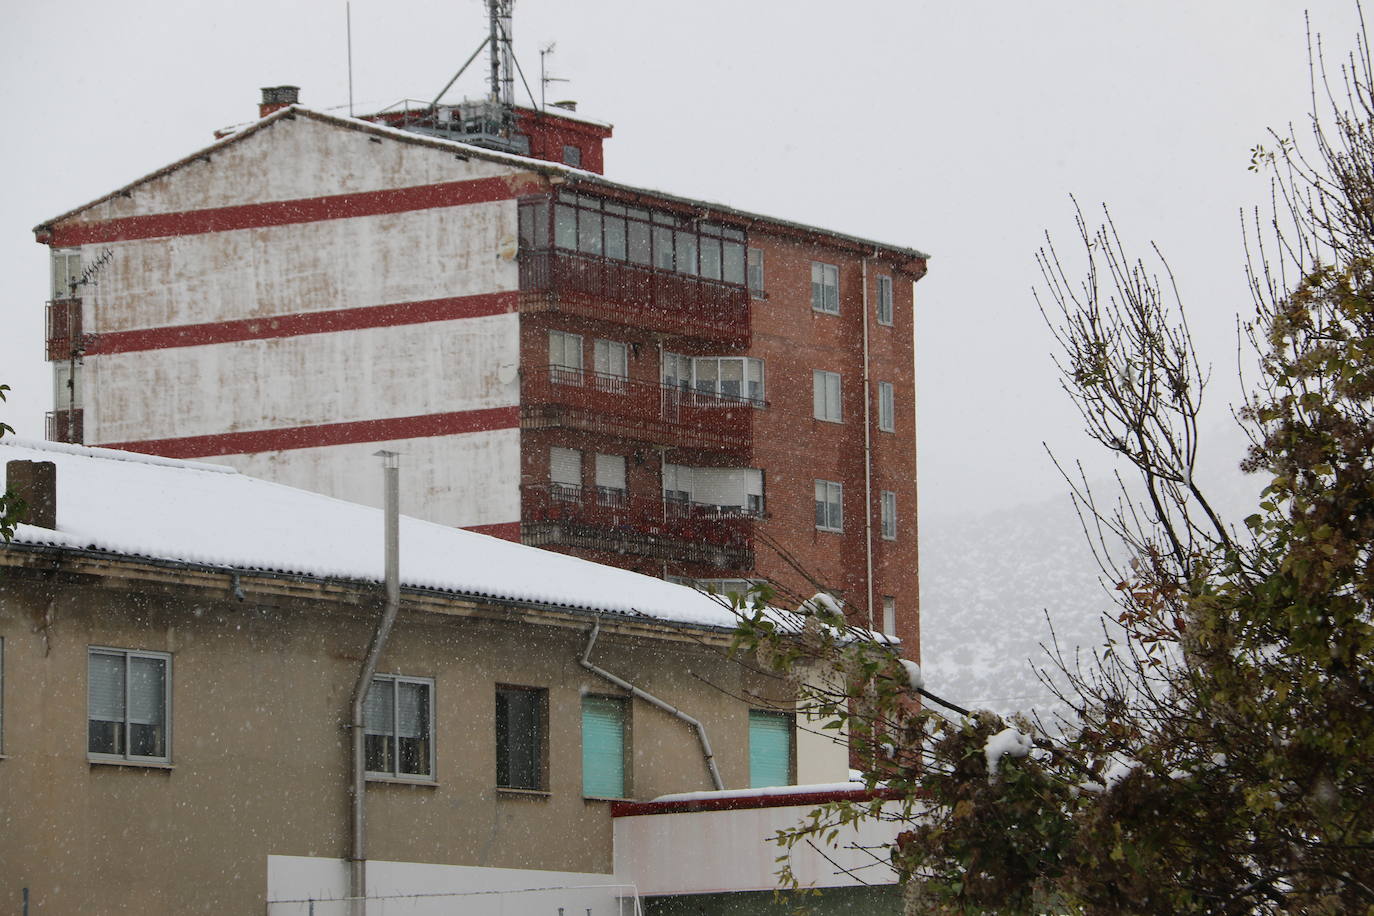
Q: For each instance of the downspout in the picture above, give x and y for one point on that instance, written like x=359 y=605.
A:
x=585 y=662
x=868 y=455
x=357 y=861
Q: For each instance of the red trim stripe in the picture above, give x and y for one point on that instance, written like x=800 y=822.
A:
x=373 y=316
x=745 y=802
x=506 y=531
x=271 y=440
x=285 y=212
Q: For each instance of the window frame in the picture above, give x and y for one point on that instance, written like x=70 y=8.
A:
x=826 y=520
x=883 y=307
x=614 y=355
x=565 y=373
x=127 y=758
x=825 y=288
x=887 y=513
x=889 y=615
x=395 y=774
x=790 y=720
x=754 y=265
x=540 y=739
x=604 y=466
x=887 y=408
x=564 y=490
x=821 y=400
x=624 y=706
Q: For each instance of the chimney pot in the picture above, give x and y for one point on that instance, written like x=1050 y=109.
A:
x=35 y=482
x=277 y=97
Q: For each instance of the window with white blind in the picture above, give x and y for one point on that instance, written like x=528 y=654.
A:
x=884 y=304
x=729 y=491
x=889 y=615
x=825 y=288
x=398 y=723
x=888 y=506
x=825 y=395
x=610 y=480
x=829 y=505
x=128 y=695
x=887 y=414
x=604 y=721
x=612 y=364
x=770 y=748
x=66 y=271
x=756 y=273
x=733 y=378
x=565 y=357
x=565 y=473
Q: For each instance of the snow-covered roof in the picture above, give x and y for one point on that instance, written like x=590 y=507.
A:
x=565 y=172
x=211 y=516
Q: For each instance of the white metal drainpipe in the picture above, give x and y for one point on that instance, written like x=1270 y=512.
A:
x=868 y=456
x=357 y=860
x=585 y=662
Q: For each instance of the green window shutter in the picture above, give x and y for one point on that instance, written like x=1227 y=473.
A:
x=770 y=749
x=603 y=747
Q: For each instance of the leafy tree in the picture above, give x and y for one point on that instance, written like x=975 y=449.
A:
x=1221 y=756
x=11 y=506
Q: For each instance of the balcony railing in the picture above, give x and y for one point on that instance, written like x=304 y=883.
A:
x=633 y=294
x=558 y=396
x=608 y=519
x=64 y=327
x=65 y=426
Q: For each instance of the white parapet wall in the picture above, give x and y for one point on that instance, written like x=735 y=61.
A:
x=310 y=886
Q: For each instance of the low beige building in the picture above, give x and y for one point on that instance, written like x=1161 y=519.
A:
x=178 y=649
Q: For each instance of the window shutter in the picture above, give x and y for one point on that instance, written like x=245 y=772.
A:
x=147 y=690
x=603 y=747
x=378 y=709
x=411 y=714
x=770 y=749
x=610 y=471
x=105 y=687
x=565 y=466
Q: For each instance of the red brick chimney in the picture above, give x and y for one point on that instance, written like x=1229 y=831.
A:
x=277 y=97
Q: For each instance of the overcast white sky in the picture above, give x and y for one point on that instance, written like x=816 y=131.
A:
x=956 y=128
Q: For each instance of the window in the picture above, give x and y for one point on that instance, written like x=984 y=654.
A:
x=770 y=749
x=886 y=413
x=572 y=155
x=829 y=505
x=889 y=615
x=610 y=480
x=522 y=715
x=734 y=378
x=565 y=473
x=66 y=272
x=884 y=300
x=612 y=365
x=720 y=491
x=756 y=273
x=565 y=357
x=825 y=395
x=603 y=746
x=66 y=385
x=128 y=695
x=825 y=288
x=397 y=724
x=888 y=500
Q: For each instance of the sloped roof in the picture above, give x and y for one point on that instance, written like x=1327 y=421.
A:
x=211 y=516
x=567 y=173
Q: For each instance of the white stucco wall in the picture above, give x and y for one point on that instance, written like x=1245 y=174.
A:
x=464 y=480
x=375 y=373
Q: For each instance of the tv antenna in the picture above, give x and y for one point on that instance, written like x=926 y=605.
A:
x=544 y=78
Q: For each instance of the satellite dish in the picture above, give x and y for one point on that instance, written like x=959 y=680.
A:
x=506 y=373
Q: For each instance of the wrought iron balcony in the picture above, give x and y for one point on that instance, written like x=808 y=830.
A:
x=573 y=282
x=562 y=397
x=65 y=426
x=63 y=327
x=611 y=520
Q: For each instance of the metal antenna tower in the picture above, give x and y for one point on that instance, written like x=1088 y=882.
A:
x=502 y=54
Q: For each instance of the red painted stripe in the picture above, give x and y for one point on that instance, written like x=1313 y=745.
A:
x=284 y=212
x=373 y=316
x=506 y=531
x=745 y=802
x=270 y=440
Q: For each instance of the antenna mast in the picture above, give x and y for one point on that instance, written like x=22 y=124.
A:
x=502 y=61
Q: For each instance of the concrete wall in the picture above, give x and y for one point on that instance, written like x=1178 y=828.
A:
x=259 y=757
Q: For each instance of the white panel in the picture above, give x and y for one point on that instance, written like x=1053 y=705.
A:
x=307 y=267
x=565 y=466
x=610 y=471
x=402 y=371
x=470 y=479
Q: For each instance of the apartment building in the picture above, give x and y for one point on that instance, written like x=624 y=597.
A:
x=663 y=384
